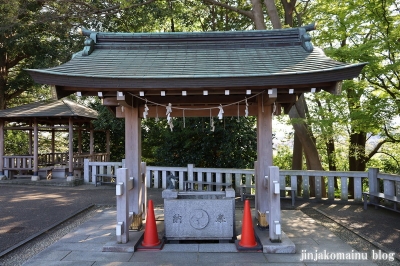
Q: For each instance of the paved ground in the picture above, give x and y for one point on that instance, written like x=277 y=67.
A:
x=27 y=210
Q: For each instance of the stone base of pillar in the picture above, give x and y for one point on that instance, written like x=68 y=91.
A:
x=35 y=178
x=137 y=222
x=70 y=178
x=3 y=177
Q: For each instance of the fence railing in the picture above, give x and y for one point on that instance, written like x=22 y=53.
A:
x=156 y=176
x=62 y=158
x=303 y=181
x=91 y=169
x=18 y=162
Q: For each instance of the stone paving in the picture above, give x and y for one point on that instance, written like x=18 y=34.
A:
x=314 y=245
x=33 y=209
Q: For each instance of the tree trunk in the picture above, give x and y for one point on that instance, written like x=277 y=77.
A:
x=297 y=160
x=356 y=156
x=330 y=150
x=258 y=16
x=297 y=115
x=289 y=7
x=3 y=79
x=273 y=14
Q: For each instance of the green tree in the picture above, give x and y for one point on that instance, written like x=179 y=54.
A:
x=372 y=100
x=231 y=145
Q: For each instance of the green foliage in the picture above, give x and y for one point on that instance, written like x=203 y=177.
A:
x=358 y=31
x=231 y=145
x=16 y=142
x=107 y=121
x=283 y=157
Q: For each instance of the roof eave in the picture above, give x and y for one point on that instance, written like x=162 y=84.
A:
x=171 y=82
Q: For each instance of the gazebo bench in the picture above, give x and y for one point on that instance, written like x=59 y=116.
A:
x=243 y=192
x=105 y=179
x=189 y=185
x=383 y=196
x=17 y=172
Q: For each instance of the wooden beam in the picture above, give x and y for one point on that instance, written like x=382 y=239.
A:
x=271 y=96
x=335 y=88
x=126 y=100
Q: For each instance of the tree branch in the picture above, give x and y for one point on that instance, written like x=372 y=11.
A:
x=246 y=13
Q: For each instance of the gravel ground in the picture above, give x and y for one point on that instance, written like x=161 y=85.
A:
x=27 y=210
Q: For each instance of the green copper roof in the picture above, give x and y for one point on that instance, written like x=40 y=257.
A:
x=52 y=109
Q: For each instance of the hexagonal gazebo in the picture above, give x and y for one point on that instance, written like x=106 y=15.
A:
x=49 y=116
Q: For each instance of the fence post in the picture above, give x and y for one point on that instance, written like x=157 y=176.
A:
x=86 y=171
x=373 y=179
x=389 y=187
x=190 y=172
x=344 y=193
x=357 y=189
x=373 y=182
x=318 y=188
x=124 y=218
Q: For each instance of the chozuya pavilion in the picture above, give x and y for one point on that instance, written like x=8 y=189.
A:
x=202 y=74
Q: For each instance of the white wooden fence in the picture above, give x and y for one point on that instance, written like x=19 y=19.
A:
x=156 y=177
x=91 y=169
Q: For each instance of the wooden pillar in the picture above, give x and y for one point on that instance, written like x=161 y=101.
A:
x=2 y=176
x=91 y=143
x=30 y=140
x=80 y=140
x=35 y=176
x=70 y=176
x=53 y=145
x=133 y=151
x=108 y=145
x=264 y=153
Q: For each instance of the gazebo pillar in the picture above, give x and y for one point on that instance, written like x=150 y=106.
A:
x=133 y=154
x=108 y=145
x=53 y=155
x=2 y=176
x=91 y=143
x=264 y=157
x=70 y=176
x=35 y=176
x=79 y=140
x=30 y=137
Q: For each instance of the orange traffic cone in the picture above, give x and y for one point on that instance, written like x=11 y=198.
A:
x=248 y=238
x=150 y=239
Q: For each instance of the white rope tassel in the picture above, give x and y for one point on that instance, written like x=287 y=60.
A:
x=157 y=119
x=221 y=112
x=169 y=118
x=211 y=122
x=146 y=111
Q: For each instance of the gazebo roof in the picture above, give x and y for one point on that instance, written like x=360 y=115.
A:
x=50 y=111
x=160 y=66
